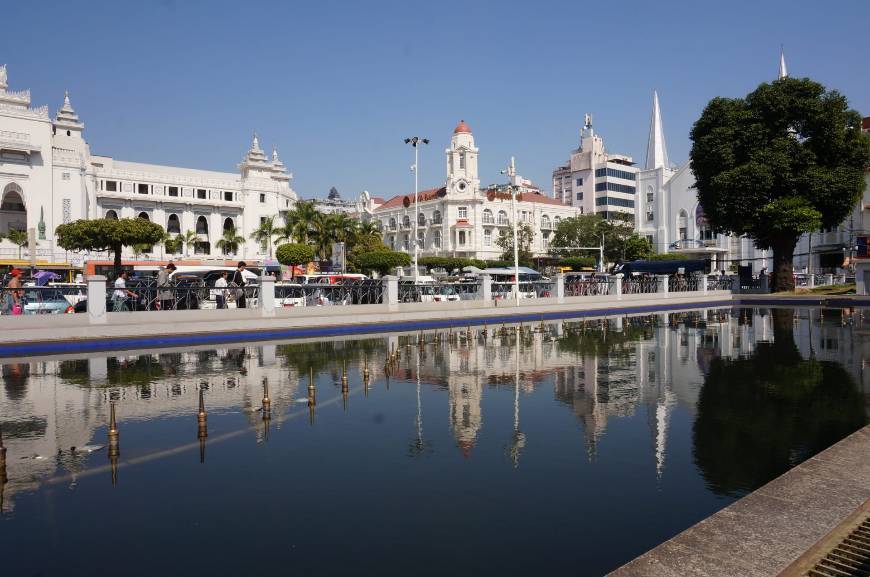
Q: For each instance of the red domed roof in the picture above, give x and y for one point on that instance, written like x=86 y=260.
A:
x=462 y=127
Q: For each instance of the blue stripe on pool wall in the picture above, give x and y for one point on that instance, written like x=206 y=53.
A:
x=119 y=343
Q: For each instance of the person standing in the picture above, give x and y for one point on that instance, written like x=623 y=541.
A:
x=121 y=294
x=238 y=281
x=164 y=287
x=12 y=304
x=220 y=293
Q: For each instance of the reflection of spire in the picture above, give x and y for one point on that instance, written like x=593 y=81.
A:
x=662 y=421
x=518 y=439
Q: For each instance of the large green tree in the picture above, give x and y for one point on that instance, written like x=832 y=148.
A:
x=109 y=235
x=787 y=159
x=590 y=230
x=525 y=236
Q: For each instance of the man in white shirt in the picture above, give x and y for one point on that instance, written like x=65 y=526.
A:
x=220 y=293
x=121 y=294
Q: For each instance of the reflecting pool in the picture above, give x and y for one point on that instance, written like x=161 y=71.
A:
x=555 y=447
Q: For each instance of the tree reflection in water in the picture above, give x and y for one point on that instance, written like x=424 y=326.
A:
x=760 y=416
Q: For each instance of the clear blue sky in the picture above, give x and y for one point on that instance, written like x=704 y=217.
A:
x=338 y=85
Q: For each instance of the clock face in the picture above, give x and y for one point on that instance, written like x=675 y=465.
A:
x=462 y=185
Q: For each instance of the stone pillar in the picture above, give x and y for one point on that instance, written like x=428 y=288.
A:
x=267 y=295
x=617 y=284
x=764 y=283
x=703 y=281
x=841 y=278
x=486 y=288
x=811 y=280
x=829 y=279
x=663 y=285
x=560 y=288
x=735 y=283
x=97 y=299
x=391 y=292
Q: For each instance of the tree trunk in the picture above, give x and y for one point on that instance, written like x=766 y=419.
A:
x=783 y=265
x=117 y=250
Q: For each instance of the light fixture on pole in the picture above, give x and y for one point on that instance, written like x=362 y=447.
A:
x=414 y=141
x=512 y=188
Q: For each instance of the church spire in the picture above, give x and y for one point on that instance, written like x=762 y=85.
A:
x=656 y=150
x=66 y=118
x=783 y=71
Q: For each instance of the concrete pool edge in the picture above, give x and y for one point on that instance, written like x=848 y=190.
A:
x=766 y=531
x=75 y=335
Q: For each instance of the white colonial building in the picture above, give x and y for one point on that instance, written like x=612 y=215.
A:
x=670 y=216
x=594 y=180
x=461 y=218
x=48 y=177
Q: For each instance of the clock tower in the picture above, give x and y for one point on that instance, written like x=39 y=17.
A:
x=462 y=180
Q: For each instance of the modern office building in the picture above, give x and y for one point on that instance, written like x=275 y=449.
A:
x=594 y=180
x=49 y=177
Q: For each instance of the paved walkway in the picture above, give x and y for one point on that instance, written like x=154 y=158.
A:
x=763 y=533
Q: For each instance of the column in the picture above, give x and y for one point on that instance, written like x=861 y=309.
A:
x=703 y=281
x=560 y=288
x=267 y=295
x=97 y=299
x=391 y=292
x=617 y=284
x=486 y=288
x=663 y=285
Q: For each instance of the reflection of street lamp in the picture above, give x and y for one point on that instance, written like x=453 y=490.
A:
x=414 y=141
x=511 y=171
x=518 y=440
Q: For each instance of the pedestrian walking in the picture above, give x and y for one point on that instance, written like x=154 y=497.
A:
x=238 y=283
x=164 y=287
x=121 y=294
x=12 y=303
x=220 y=293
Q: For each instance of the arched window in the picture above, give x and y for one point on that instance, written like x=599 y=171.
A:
x=545 y=222
x=202 y=225
x=173 y=225
x=487 y=216
x=143 y=215
x=436 y=239
x=12 y=199
x=436 y=217
x=502 y=217
x=406 y=221
x=462 y=160
x=421 y=219
x=229 y=224
x=111 y=215
x=392 y=223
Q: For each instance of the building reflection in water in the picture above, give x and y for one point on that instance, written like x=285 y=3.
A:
x=601 y=370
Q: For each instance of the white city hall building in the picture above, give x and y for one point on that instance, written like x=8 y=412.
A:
x=462 y=219
x=49 y=177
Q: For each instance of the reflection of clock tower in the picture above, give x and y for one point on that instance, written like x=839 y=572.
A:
x=462 y=178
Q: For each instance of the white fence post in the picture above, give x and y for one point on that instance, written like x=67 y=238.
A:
x=267 y=295
x=663 y=285
x=703 y=281
x=829 y=279
x=97 y=299
x=391 y=292
x=617 y=283
x=560 y=288
x=811 y=280
x=486 y=288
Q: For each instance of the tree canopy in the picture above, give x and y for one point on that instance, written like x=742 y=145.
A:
x=787 y=159
x=587 y=230
x=105 y=234
x=525 y=236
x=384 y=261
x=294 y=254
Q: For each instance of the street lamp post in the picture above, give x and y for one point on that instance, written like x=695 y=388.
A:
x=512 y=172
x=414 y=141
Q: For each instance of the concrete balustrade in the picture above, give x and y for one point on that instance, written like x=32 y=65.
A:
x=560 y=288
x=486 y=288
x=663 y=285
x=617 y=285
x=267 y=295
x=97 y=299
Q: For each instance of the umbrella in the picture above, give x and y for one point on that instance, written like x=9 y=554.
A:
x=43 y=277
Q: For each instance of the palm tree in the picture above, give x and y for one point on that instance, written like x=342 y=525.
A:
x=188 y=239
x=321 y=236
x=343 y=228
x=18 y=237
x=265 y=232
x=368 y=228
x=299 y=221
x=230 y=241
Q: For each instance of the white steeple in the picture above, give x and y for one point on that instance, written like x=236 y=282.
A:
x=66 y=119
x=783 y=71
x=656 y=149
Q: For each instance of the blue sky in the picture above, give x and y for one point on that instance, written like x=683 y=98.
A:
x=338 y=85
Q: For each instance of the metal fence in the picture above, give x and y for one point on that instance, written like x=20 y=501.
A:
x=640 y=285
x=362 y=292
x=719 y=283
x=528 y=289
x=683 y=283
x=33 y=300
x=576 y=286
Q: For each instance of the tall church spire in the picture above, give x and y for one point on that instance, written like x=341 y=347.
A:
x=656 y=150
x=783 y=71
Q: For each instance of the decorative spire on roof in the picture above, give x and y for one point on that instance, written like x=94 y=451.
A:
x=255 y=144
x=66 y=117
x=3 y=78
x=783 y=71
x=656 y=149
x=275 y=154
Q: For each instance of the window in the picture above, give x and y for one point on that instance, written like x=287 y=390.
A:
x=229 y=224
x=651 y=240
x=462 y=160
x=462 y=212
x=421 y=219
x=143 y=216
x=579 y=195
x=436 y=239
x=406 y=221
x=487 y=237
x=202 y=225
x=461 y=238
x=392 y=225
x=421 y=238
x=614 y=187
x=112 y=186
x=127 y=186
x=436 y=217
x=614 y=201
x=545 y=222
x=579 y=182
x=172 y=191
x=173 y=225
x=406 y=242
x=487 y=216
x=262 y=198
x=650 y=216
x=614 y=173
x=200 y=193
x=111 y=215
x=201 y=247
x=228 y=196
x=64 y=176
x=649 y=197
x=142 y=188
x=392 y=241
x=502 y=218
